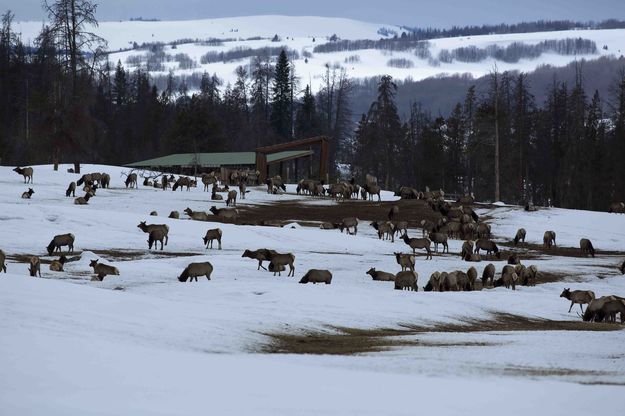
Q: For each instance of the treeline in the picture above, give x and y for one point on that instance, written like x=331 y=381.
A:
x=523 y=27
x=62 y=105
x=567 y=151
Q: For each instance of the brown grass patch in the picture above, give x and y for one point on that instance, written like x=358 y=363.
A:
x=557 y=250
x=352 y=341
x=129 y=255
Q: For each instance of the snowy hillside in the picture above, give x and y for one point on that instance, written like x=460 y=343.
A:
x=144 y=343
x=221 y=45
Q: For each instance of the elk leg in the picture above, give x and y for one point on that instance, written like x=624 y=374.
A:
x=571 y=307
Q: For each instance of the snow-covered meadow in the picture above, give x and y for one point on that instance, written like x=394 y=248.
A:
x=143 y=343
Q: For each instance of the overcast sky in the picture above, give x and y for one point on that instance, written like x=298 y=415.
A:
x=432 y=13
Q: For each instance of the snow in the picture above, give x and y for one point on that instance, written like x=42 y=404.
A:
x=298 y=33
x=72 y=346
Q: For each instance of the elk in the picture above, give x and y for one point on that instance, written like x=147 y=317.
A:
x=57 y=265
x=34 y=266
x=82 y=200
x=611 y=308
x=421 y=243
x=148 y=228
x=156 y=235
x=243 y=189
x=27 y=173
x=213 y=234
x=102 y=270
x=467 y=249
x=3 y=266
x=193 y=270
x=28 y=194
x=580 y=297
x=196 y=215
x=59 y=241
x=278 y=259
x=385 y=230
x=406 y=261
x=208 y=179
x=317 y=276
x=347 y=223
x=487 y=245
x=182 y=182
x=549 y=239
x=381 y=276
x=520 y=236
x=131 y=181
x=260 y=255
x=232 y=198
x=406 y=280
x=585 y=246
x=174 y=214
x=483 y=230
x=71 y=190
x=488 y=274
x=225 y=214
x=105 y=181
x=439 y=238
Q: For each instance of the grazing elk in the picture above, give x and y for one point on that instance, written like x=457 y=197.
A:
x=520 y=236
x=421 y=243
x=467 y=249
x=385 y=230
x=434 y=284
x=380 y=276
x=278 y=259
x=439 y=238
x=347 y=223
x=549 y=239
x=317 y=276
x=59 y=241
x=483 y=230
x=488 y=246
x=27 y=173
x=261 y=255
x=406 y=280
x=34 y=267
x=594 y=310
x=488 y=275
x=585 y=246
x=193 y=270
x=105 y=181
x=131 y=181
x=611 y=308
x=182 y=182
x=213 y=234
x=28 y=194
x=102 y=270
x=148 y=228
x=232 y=198
x=156 y=235
x=580 y=297
x=71 y=190
x=449 y=282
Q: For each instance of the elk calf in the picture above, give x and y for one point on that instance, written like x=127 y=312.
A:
x=28 y=194
x=57 y=265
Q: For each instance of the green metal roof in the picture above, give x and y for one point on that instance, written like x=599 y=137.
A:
x=215 y=160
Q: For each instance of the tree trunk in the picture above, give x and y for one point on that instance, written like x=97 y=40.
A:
x=497 y=191
x=76 y=167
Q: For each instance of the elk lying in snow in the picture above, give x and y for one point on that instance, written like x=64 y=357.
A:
x=586 y=246
x=196 y=215
x=154 y=213
x=225 y=214
x=580 y=297
x=174 y=214
x=347 y=223
x=216 y=197
x=3 y=266
x=317 y=276
x=422 y=243
x=278 y=259
x=57 y=265
x=385 y=230
x=487 y=245
x=327 y=226
x=27 y=173
x=488 y=275
x=617 y=208
x=71 y=190
x=59 y=241
x=520 y=236
x=549 y=239
x=102 y=270
x=232 y=198
x=131 y=180
x=34 y=266
x=82 y=200
x=381 y=276
x=148 y=228
x=214 y=234
x=156 y=235
x=28 y=194
x=406 y=280
x=406 y=261
x=193 y=270
x=261 y=255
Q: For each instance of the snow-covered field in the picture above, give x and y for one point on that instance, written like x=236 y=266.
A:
x=143 y=343
x=303 y=33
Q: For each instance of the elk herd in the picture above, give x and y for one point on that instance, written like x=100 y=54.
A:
x=456 y=221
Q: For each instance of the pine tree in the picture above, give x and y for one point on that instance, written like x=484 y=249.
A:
x=281 y=98
x=120 y=86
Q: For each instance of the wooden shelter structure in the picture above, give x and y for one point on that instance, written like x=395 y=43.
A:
x=264 y=159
